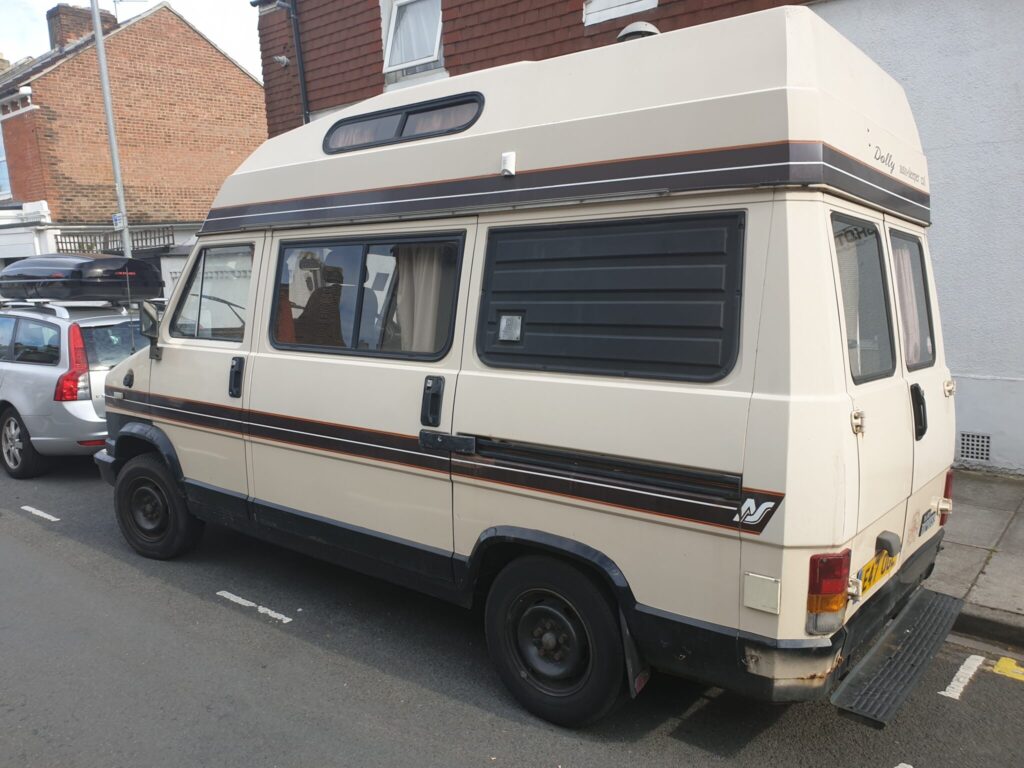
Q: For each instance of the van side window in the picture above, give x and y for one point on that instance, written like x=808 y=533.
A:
x=36 y=343
x=865 y=303
x=912 y=295
x=395 y=298
x=6 y=332
x=656 y=298
x=213 y=305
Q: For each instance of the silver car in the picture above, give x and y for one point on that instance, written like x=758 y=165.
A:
x=53 y=362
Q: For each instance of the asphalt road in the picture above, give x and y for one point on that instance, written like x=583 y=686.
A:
x=108 y=659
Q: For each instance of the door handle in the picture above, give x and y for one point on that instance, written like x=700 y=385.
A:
x=433 y=397
x=235 y=376
x=920 y=411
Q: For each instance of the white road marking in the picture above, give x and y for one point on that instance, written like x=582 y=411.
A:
x=962 y=677
x=250 y=604
x=40 y=513
x=904 y=765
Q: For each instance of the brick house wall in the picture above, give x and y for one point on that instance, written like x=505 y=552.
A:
x=342 y=51
x=186 y=117
x=344 y=57
x=484 y=33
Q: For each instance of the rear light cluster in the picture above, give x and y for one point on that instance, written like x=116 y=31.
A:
x=74 y=384
x=827 y=592
x=946 y=504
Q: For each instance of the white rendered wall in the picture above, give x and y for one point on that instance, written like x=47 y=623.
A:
x=962 y=66
x=25 y=231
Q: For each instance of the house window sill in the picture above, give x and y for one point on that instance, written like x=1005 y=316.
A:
x=420 y=77
x=598 y=11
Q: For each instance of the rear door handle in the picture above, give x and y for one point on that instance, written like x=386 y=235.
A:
x=920 y=409
x=433 y=397
x=235 y=376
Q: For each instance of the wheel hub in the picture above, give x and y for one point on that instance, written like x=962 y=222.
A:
x=550 y=642
x=149 y=510
x=10 y=443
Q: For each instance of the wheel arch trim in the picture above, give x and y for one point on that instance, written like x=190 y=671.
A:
x=147 y=433
x=468 y=570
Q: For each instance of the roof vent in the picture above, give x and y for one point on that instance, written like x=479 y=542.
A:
x=637 y=30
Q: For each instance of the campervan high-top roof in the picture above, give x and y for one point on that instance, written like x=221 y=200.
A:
x=775 y=98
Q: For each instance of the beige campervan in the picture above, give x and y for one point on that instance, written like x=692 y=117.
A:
x=638 y=348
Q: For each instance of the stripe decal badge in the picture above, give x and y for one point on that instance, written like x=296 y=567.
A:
x=697 y=496
x=774 y=164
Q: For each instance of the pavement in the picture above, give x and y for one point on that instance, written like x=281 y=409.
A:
x=982 y=560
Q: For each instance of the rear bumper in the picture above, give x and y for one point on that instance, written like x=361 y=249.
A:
x=61 y=428
x=776 y=670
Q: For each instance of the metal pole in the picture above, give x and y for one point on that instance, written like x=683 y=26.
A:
x=101 y=55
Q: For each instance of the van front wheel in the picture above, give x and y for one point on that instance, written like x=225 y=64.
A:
x=554 y=638
x=151 y=510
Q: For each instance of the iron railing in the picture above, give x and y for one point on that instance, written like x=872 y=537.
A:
x=110 y=240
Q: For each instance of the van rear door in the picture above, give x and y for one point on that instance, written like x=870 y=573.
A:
x=930 y=386
x=881 y=416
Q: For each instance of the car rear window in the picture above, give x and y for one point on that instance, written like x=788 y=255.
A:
x=108 y=345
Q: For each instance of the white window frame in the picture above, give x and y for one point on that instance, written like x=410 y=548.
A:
x=596 y=11
x=388 y=67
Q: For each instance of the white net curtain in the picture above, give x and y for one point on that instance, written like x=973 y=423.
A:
x=414 y=33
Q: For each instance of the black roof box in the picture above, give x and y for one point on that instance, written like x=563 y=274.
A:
x=81 y=278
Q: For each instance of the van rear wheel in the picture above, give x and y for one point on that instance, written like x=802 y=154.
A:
x=553 y=636
x=151 y=510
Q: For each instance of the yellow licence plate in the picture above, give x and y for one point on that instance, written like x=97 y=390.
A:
x=875 y=569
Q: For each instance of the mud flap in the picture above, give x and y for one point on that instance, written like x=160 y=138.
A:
x=875 y=689
x=637 y=670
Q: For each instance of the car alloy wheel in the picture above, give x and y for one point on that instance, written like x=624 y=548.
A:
x=10 y=442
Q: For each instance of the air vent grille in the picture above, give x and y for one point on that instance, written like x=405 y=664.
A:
x=975 y=446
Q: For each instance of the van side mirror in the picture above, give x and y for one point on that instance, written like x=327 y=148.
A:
x=149 y=324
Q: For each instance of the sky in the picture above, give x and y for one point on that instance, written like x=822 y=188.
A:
x=230 y=24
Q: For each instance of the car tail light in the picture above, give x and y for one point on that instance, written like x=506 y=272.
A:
x=92 y=443
x=946 y=505
x=74 y=384
x=827 y=592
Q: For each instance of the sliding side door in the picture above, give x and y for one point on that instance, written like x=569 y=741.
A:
x=362 y=353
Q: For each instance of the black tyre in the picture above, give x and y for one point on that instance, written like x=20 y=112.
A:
x=555 y=640
x=151 y=510
x=17 y=454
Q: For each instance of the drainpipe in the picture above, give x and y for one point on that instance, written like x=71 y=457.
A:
x=292 y=6
x=293 y=12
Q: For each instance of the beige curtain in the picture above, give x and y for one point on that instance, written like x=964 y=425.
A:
x=904 y=252
x=419 y=289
